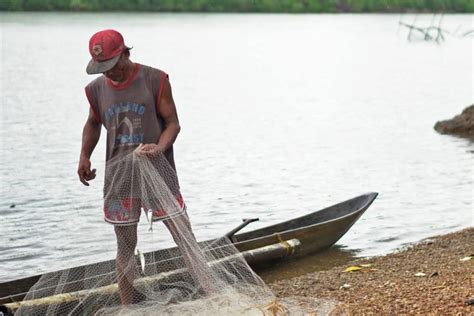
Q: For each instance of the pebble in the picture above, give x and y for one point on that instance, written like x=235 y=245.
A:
x=345 y=286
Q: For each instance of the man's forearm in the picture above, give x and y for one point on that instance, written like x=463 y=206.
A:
x=168 y=136
x=90 y=138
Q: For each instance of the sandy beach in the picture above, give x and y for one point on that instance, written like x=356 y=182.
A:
x=434 y=276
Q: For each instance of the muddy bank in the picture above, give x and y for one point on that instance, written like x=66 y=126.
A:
x=434 y=276
x=460 y=125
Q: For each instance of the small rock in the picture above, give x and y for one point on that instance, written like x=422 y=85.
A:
x=469 y=301
x=429 y=241
x=434 y=274
x=345 y=286
x=12 y=205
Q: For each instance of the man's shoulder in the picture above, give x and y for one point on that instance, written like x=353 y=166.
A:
x=153 y=71
x=96 y=83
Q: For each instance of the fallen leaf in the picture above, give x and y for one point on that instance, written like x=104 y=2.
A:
x=352 y=269
x=420 y=274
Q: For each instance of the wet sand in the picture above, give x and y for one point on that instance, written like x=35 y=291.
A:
x=434 y=276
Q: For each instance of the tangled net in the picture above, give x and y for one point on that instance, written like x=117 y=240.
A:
x=209 y=278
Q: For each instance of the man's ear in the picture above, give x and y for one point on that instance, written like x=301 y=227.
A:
x=126 y=54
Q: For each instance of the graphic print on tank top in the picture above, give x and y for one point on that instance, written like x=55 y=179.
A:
x=128 y=126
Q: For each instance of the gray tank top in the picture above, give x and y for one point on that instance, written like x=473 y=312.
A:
x=129 y=111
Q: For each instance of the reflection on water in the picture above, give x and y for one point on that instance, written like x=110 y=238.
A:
x=281 y=115
x=334 y=256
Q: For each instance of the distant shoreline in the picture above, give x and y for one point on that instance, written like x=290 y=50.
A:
x=432 y=276
x=235 y=12
x=241 y=6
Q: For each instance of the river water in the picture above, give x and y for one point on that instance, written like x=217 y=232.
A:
x=281 y=115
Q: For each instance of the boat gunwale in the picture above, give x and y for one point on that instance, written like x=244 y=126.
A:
x=363 y=208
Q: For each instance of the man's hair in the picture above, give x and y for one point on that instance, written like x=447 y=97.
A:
x=126 y=51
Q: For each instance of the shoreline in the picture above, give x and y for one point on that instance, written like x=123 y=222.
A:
x=431 y=276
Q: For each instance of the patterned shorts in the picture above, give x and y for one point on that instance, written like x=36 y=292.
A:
x=127 y=211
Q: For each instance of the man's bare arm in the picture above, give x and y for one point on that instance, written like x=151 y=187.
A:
x=90 y=137
x=167 y=110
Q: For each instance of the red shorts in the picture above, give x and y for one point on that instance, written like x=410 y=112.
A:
x=127 y=211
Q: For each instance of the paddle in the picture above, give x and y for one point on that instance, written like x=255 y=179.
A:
x=245 y=222
x=230 y=234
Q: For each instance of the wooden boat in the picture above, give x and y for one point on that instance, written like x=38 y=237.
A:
x=293 y=238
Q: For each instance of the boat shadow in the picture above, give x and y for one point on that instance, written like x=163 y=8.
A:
x=335 y=256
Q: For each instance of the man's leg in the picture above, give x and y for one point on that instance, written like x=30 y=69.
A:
x=181 y=231
x=125 y=264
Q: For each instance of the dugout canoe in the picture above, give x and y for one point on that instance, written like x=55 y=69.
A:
x=314 y=232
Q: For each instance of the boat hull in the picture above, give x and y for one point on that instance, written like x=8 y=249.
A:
x=315 y=232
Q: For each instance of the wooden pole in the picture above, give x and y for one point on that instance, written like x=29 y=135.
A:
x=259 y=255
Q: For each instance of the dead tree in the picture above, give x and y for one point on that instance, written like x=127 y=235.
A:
x=430 y=33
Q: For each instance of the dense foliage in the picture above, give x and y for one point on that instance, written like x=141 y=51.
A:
x=296 y=6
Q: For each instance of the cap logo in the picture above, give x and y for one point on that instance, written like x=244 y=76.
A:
x=97 y=49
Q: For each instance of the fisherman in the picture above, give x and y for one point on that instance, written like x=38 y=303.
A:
x=134 y=103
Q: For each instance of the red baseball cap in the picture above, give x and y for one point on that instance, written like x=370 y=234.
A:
x=105 y=48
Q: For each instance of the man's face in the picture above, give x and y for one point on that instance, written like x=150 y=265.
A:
x=118 y=72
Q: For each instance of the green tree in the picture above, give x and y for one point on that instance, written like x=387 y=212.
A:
x=80 y=5
x=11 y=5
x=37 y=5
x=242 y=5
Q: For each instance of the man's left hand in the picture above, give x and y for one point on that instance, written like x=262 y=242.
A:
x=148 y=150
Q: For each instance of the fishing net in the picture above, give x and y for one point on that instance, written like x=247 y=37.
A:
x=207 y=278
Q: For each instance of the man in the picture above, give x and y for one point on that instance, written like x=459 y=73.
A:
x=135 y=104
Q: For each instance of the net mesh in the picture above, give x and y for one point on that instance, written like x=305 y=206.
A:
x=208 y=278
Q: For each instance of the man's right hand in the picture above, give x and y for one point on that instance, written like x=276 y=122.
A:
x=84 y=171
